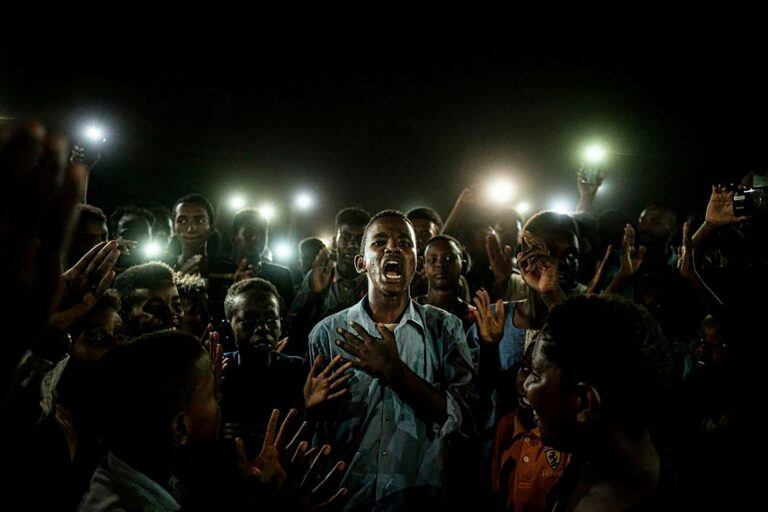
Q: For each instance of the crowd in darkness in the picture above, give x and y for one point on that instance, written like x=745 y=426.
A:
x=479 y=360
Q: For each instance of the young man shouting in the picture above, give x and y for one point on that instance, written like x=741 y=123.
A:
x=411 y=384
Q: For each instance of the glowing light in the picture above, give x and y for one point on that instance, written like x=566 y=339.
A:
x=283 y=251
x=523 y=207
x=595 y=154
x=500 y=191
x=152 y=250
x=95 y=133
x=267 y=211
x=237 y=202
x=304 y=201
x=561 y=205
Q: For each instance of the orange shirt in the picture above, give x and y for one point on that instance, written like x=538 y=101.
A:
x=523 y=469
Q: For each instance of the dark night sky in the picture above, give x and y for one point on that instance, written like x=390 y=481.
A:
x=391 y=123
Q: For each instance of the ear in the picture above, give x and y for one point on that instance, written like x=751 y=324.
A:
x=466 y=263
x=179 y=430
x=360 y=264
x=589 y=404
x=333 y=241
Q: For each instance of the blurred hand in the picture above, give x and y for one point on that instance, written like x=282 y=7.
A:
x=84 y=284
x=501 y=261
x=322 y=271
x=244 y=271
x=37 y=200
x=685 y=264
x=490 y=325
x=192 y=265
x=631 y=257
x=588 y=190
x=599 y=272
x=291 y=467
x=215 y=349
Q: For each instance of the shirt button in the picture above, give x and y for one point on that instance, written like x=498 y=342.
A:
x=526 y=459
x=387 y=418
x=527 y=439
x=384 y=454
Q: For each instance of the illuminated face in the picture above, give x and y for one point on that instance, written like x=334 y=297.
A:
x=390 y=258
x=191 y=225
x=154 y=310
x=256 y=322
x=347 y=244
x=442 y=265
x=425 y=230
x=565 y=249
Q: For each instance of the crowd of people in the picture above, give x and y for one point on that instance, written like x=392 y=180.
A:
x=491 y=361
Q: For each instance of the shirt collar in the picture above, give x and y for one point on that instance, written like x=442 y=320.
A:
x=137 y=479
x=413 y=314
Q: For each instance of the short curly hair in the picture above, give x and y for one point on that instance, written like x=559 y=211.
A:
x=426 y=213
x=254 y=284
x=616 y=346
x=145 y=276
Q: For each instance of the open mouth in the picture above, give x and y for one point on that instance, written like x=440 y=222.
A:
x=393 y=270
x=261 y=344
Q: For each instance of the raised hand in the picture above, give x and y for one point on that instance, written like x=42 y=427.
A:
x=685 y=264
x=322 y=387
x=631 y=257
x=720 y=207
x=192 y=265
x=377 y=357
x=37 y=200
x=215 y=349
x=84 y=284
x=599 y=272
x=244 y=271
x=322 y=271
x=280 y=345
x=588 y=190
x=537 y=268
x=282 y=464
x=500 y=260
x=490 y=325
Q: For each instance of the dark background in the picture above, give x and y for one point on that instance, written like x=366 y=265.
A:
x=382 y=122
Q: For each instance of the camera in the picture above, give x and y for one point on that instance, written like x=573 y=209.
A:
x=754 y=200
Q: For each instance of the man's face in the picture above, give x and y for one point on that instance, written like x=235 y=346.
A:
x=105 y=331
x=194 y=315
x=425 y=230
x=154 y=310
x=191 y=225
x=565 y=249
x=442 y=265
x=390 y=257
x=256 y=322
x=347 y=243
x=88 y=235
x=162 y=231
x=251 y=239
x=713 y=352
x=654 y=226
x=509 y=233
x=555 y=407
x=307 y=257
x=133 y=227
